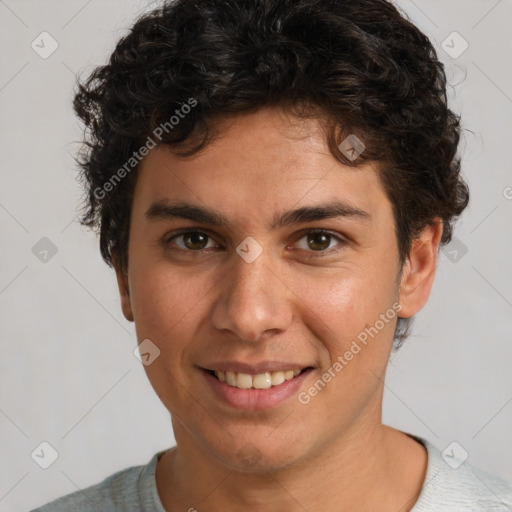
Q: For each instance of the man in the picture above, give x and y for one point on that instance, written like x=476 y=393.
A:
x=272 y=181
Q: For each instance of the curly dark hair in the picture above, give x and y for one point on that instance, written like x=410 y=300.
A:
x=357 y=66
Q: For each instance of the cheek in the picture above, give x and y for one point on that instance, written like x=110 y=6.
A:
x=345 y=316
x=168 y=306
x=165 y=301
x=345 y=308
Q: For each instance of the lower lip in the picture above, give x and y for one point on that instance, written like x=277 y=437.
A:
x=256 y=399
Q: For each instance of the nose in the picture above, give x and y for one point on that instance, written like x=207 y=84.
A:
x=253 y=302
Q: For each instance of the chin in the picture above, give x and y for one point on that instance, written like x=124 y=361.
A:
x=258 y=456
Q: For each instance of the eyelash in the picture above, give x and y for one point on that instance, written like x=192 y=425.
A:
x=313 y=254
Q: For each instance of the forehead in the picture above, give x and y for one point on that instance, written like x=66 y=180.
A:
x=261 y=163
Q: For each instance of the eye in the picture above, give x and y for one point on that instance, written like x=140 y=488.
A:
x=319 y=241
x=191 y=241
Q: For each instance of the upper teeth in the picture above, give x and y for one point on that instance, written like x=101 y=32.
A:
x=259 y=381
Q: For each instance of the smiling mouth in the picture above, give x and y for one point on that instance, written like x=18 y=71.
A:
x=264 y=380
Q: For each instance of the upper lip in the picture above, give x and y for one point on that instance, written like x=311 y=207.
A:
x=255 y=368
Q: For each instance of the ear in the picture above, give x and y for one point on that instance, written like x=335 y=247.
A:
x=124 y=289
x=419 y=270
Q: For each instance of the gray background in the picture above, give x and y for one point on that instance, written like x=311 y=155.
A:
x=67 y=372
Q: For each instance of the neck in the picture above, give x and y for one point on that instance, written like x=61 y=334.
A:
x=371 y=468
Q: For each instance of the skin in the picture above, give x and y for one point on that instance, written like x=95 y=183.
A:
x=332 y=454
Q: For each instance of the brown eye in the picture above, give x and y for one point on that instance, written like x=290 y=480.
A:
x=192 y=241
x=319 y=241
x=195 y=240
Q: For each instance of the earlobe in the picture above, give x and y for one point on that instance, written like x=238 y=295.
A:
x=419 y=270
x=124 y=290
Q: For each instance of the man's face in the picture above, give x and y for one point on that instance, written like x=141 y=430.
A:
x=299 y=304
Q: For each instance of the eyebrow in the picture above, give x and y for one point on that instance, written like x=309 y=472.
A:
x=165 y=210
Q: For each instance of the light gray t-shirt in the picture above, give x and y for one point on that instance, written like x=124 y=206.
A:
x=445 y=489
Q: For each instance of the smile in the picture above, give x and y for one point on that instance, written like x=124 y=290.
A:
x=258 y=390
x=264 y=380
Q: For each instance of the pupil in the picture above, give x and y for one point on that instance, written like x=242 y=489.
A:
x=195 y=240
x=319 y=241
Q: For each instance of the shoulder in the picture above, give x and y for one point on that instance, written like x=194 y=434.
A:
x=454 y=485
x=131 y=489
